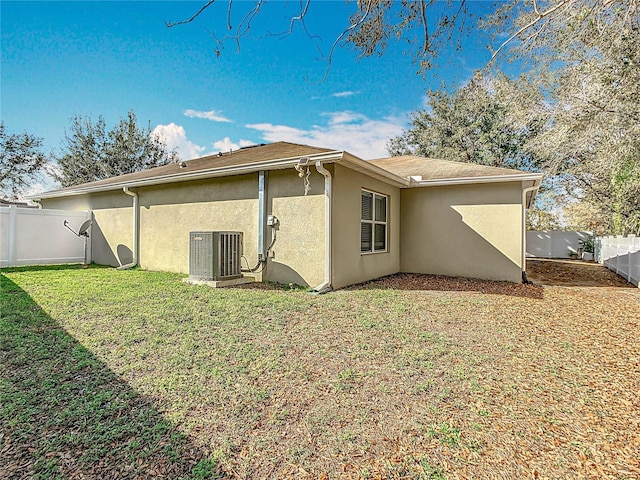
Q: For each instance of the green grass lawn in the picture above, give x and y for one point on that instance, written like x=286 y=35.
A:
x=135 y=374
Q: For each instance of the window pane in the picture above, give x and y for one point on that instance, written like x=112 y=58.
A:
x=381 y=237
x=367 y=206
x=365 y=237
x=381 y=208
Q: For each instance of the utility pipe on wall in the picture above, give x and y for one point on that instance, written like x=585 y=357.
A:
x=526 y=190
x=326 y=285
x=136 y=223
x=263 y=179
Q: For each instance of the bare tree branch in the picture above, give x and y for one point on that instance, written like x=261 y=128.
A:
x=539 y=17
x=344 y=33
x=423 y=13
x=182 y=22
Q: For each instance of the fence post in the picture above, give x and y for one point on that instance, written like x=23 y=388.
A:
x=628 y=255
x=631 y=249
x=11 y=237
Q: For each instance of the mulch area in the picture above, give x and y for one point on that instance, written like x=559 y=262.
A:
x=573 y=273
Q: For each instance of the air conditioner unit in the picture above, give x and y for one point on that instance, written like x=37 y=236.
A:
x=215 y=255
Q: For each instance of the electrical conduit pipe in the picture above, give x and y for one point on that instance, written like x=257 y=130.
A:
x=136 y=213
x=326 y=285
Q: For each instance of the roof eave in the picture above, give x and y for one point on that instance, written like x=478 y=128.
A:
x=517 y=177
x=325 y=157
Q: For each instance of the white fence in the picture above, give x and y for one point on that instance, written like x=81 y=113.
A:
x=554 y=244
x=29 y=236
x=621 y=255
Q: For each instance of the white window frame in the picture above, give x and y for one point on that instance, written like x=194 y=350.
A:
x=375 y=222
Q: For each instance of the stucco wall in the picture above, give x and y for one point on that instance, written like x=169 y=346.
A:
x=298 y=254
x=466 y=230
x=349 y=265
x=169 y=212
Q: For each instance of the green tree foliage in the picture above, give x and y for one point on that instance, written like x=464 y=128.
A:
x=91 y=153
x=593 y=141
x=481 y=122
x=21 y=162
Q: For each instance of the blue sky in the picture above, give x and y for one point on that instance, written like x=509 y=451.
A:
x=61 y=59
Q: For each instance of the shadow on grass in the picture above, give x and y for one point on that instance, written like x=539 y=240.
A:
x=441 y=283
x=64 y=413
x=47 y=268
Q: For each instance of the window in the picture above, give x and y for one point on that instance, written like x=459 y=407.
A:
x=373 y=223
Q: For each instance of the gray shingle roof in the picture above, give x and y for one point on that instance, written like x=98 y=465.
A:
x=244 y=156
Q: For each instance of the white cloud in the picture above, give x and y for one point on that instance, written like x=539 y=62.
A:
x=175 y=137
x=213 y=115
x=350 y=131
x=346 y=93
x=226 y=144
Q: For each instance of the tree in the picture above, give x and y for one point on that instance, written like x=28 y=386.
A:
x=426 y=26
x=21 y=162
x=482 y=122
x=91 y=153
x=593 y=140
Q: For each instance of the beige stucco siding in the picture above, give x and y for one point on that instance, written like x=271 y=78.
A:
x=465 y=230
x=169 y=212
x=298 y=253
x=349 y=265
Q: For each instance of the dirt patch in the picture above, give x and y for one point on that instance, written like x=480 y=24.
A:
x=574 y=273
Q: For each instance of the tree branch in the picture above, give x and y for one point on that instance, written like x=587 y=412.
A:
x=423 y=13
x=182 y=22
x=350 y=28
x=539 y=16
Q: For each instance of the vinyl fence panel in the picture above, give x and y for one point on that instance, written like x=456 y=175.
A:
x=554 y=244
x=31 y=236
x=621 y=255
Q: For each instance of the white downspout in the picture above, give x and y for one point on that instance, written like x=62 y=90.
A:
x=134 y=261
x=326 y=285
x=526 y=190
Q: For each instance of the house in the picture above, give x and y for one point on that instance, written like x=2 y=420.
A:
x=314 y=216
x=4 y=202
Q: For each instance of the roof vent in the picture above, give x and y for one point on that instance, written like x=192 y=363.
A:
x=183 y=164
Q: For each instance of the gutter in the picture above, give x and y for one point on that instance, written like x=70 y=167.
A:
x=418 y=182
x=182 y=176
x=136 y=223
x=523 y=258
x=325 y=286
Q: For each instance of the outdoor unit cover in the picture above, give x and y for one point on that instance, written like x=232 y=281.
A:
x=215 y=255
